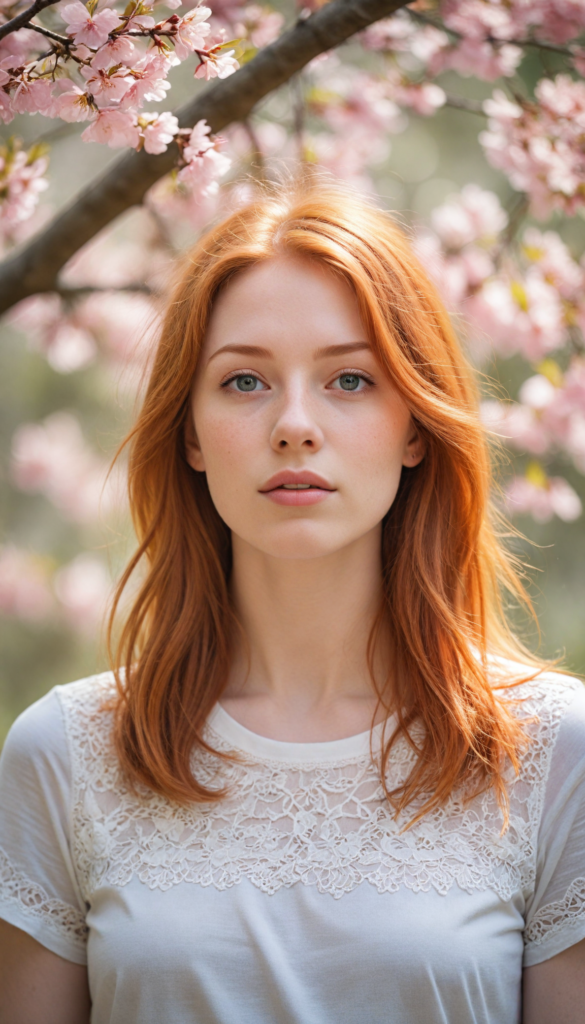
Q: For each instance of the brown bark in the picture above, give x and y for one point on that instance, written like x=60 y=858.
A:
x=35 y=268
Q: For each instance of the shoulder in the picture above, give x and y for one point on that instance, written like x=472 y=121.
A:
x=550 y=705
x=40 y=735
x=548 y=694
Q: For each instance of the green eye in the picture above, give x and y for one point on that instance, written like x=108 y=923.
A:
x=246 y=382
x=349 y=381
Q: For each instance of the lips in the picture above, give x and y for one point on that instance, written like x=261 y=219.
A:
x=296 y=480
x=297 y=487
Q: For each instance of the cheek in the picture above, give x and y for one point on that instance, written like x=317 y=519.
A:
x=228 y=444
x=375 y=442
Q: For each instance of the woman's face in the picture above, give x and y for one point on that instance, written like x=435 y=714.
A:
x=301 y=435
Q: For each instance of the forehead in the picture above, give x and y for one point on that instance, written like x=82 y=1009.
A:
x=282 y=299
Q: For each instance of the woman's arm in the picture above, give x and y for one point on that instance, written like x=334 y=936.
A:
x=36 y=985
x=554 y=991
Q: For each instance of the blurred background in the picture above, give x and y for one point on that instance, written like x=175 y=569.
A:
x=70 y=369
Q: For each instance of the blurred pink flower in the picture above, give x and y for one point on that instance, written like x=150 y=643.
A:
x=88 y=29
x=33 y=97
x=554 y=261
x=83 y=588
x=539 y=145
x=260 y=25
x=516 y=424
x=216 y=65
x=24 y=589
x=475 y=215
x=120 y=50
x=158 y=131
x=524 y=315
x=115 y=128
x=204 y=164
x=53 y=458
x=554 y=496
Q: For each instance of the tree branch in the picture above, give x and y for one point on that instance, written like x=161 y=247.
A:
x=460 y=103
x=22 y=19
x=81 y=291
x=64 y=40
x=36 y=267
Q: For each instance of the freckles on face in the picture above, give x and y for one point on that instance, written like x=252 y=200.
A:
x=288 y=383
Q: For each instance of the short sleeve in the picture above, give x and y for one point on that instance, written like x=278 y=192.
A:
x=555 y=916
x=38 y=887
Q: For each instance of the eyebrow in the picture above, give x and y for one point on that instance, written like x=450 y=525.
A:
x=321 y=353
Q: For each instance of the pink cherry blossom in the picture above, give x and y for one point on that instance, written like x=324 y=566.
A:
x=537 y=392
x=192 y=32
x=114 y=128
x=21 y=183
x=555 y=262
x=119 y=50
x=216 y=65
x=204 y=164
x=74 y=105
x=107 y=88
x=83 y=588
x=258 y=24
x=524 y=316
x=400 y=34
x=24 y=588
x=350 y=102
x=425 y=98
x=62 y=338
x=149 y=83
x=517 y=425
x=479 y=58
x=555 y=496
x=54 y=459
x=199 y=141
x=93 y=30
x=472 y=216
x=539 y=145
x=158 y=131
x=33 y=97
x=6 y=111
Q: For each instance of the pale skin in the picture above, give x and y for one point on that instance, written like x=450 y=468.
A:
x=306 y=578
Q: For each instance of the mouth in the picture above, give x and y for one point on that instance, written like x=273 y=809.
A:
x=290 y=487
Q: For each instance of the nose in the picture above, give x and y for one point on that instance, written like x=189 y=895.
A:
x=296 y=428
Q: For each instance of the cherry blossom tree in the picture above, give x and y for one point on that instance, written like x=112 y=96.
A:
x=351 y=74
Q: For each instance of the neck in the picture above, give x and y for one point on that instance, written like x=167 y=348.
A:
x=306 y=624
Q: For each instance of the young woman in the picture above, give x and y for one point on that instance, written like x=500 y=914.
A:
x=325 y=784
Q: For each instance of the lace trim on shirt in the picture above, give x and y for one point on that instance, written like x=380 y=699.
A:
x=555 y=917
x=324 y=825
x=34 y=901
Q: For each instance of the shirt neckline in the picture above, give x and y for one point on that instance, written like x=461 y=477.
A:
x=326 y=752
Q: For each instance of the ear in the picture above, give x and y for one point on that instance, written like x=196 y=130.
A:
x=193 y=452
x=415 y=447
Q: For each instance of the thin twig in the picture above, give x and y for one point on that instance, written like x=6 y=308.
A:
x=24 y=17
x=257 y=153
x=471 y=106
x=299 y=112
x=64 y=40
x=515 y=218
x=88 y=289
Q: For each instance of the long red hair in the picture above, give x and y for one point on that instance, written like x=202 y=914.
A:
x=444 y=568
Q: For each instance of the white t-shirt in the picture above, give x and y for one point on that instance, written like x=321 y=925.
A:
x=299 y=899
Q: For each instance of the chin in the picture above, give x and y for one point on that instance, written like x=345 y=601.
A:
x=300 y=541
